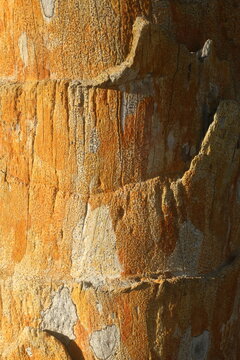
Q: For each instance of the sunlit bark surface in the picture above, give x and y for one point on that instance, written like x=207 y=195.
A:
x=119 y=180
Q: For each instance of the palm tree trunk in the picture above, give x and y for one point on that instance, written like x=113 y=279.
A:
x=119 y=180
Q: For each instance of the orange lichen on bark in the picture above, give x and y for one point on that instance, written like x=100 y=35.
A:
x=119 y=180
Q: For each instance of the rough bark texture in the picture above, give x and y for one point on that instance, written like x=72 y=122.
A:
x=119 y=179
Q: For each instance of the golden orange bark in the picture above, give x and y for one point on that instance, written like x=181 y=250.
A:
x=119 y=180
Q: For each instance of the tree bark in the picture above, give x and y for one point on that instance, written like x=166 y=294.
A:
x=119 y=179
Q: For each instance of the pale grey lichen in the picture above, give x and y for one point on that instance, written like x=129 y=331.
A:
x=61 y=316
x=194 y=347
x=48 y=7
x=200 y=346
x=94 y=142
x=94 y=254
x=105 y=342
x=185 y=257
x=23 y=48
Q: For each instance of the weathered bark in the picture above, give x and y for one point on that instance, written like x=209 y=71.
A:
x=119 y=179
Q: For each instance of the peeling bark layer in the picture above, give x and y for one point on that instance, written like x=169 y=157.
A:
x=119 y=180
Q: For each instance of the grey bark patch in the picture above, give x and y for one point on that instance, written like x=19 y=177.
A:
x=23 y=48
x=137 y=91
x=94 y=141
x=194 y=348
x=185 y=257
x=171 y=141
x=61 y=315
x=129 y=106
x=94 y=253
x=48 y=7
x=105 y=342
x=199 y=346
x=186 y=152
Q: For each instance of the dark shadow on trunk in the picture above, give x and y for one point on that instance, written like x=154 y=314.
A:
x=70 y=345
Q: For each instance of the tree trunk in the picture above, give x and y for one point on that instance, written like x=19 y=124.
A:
x=119 y=179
